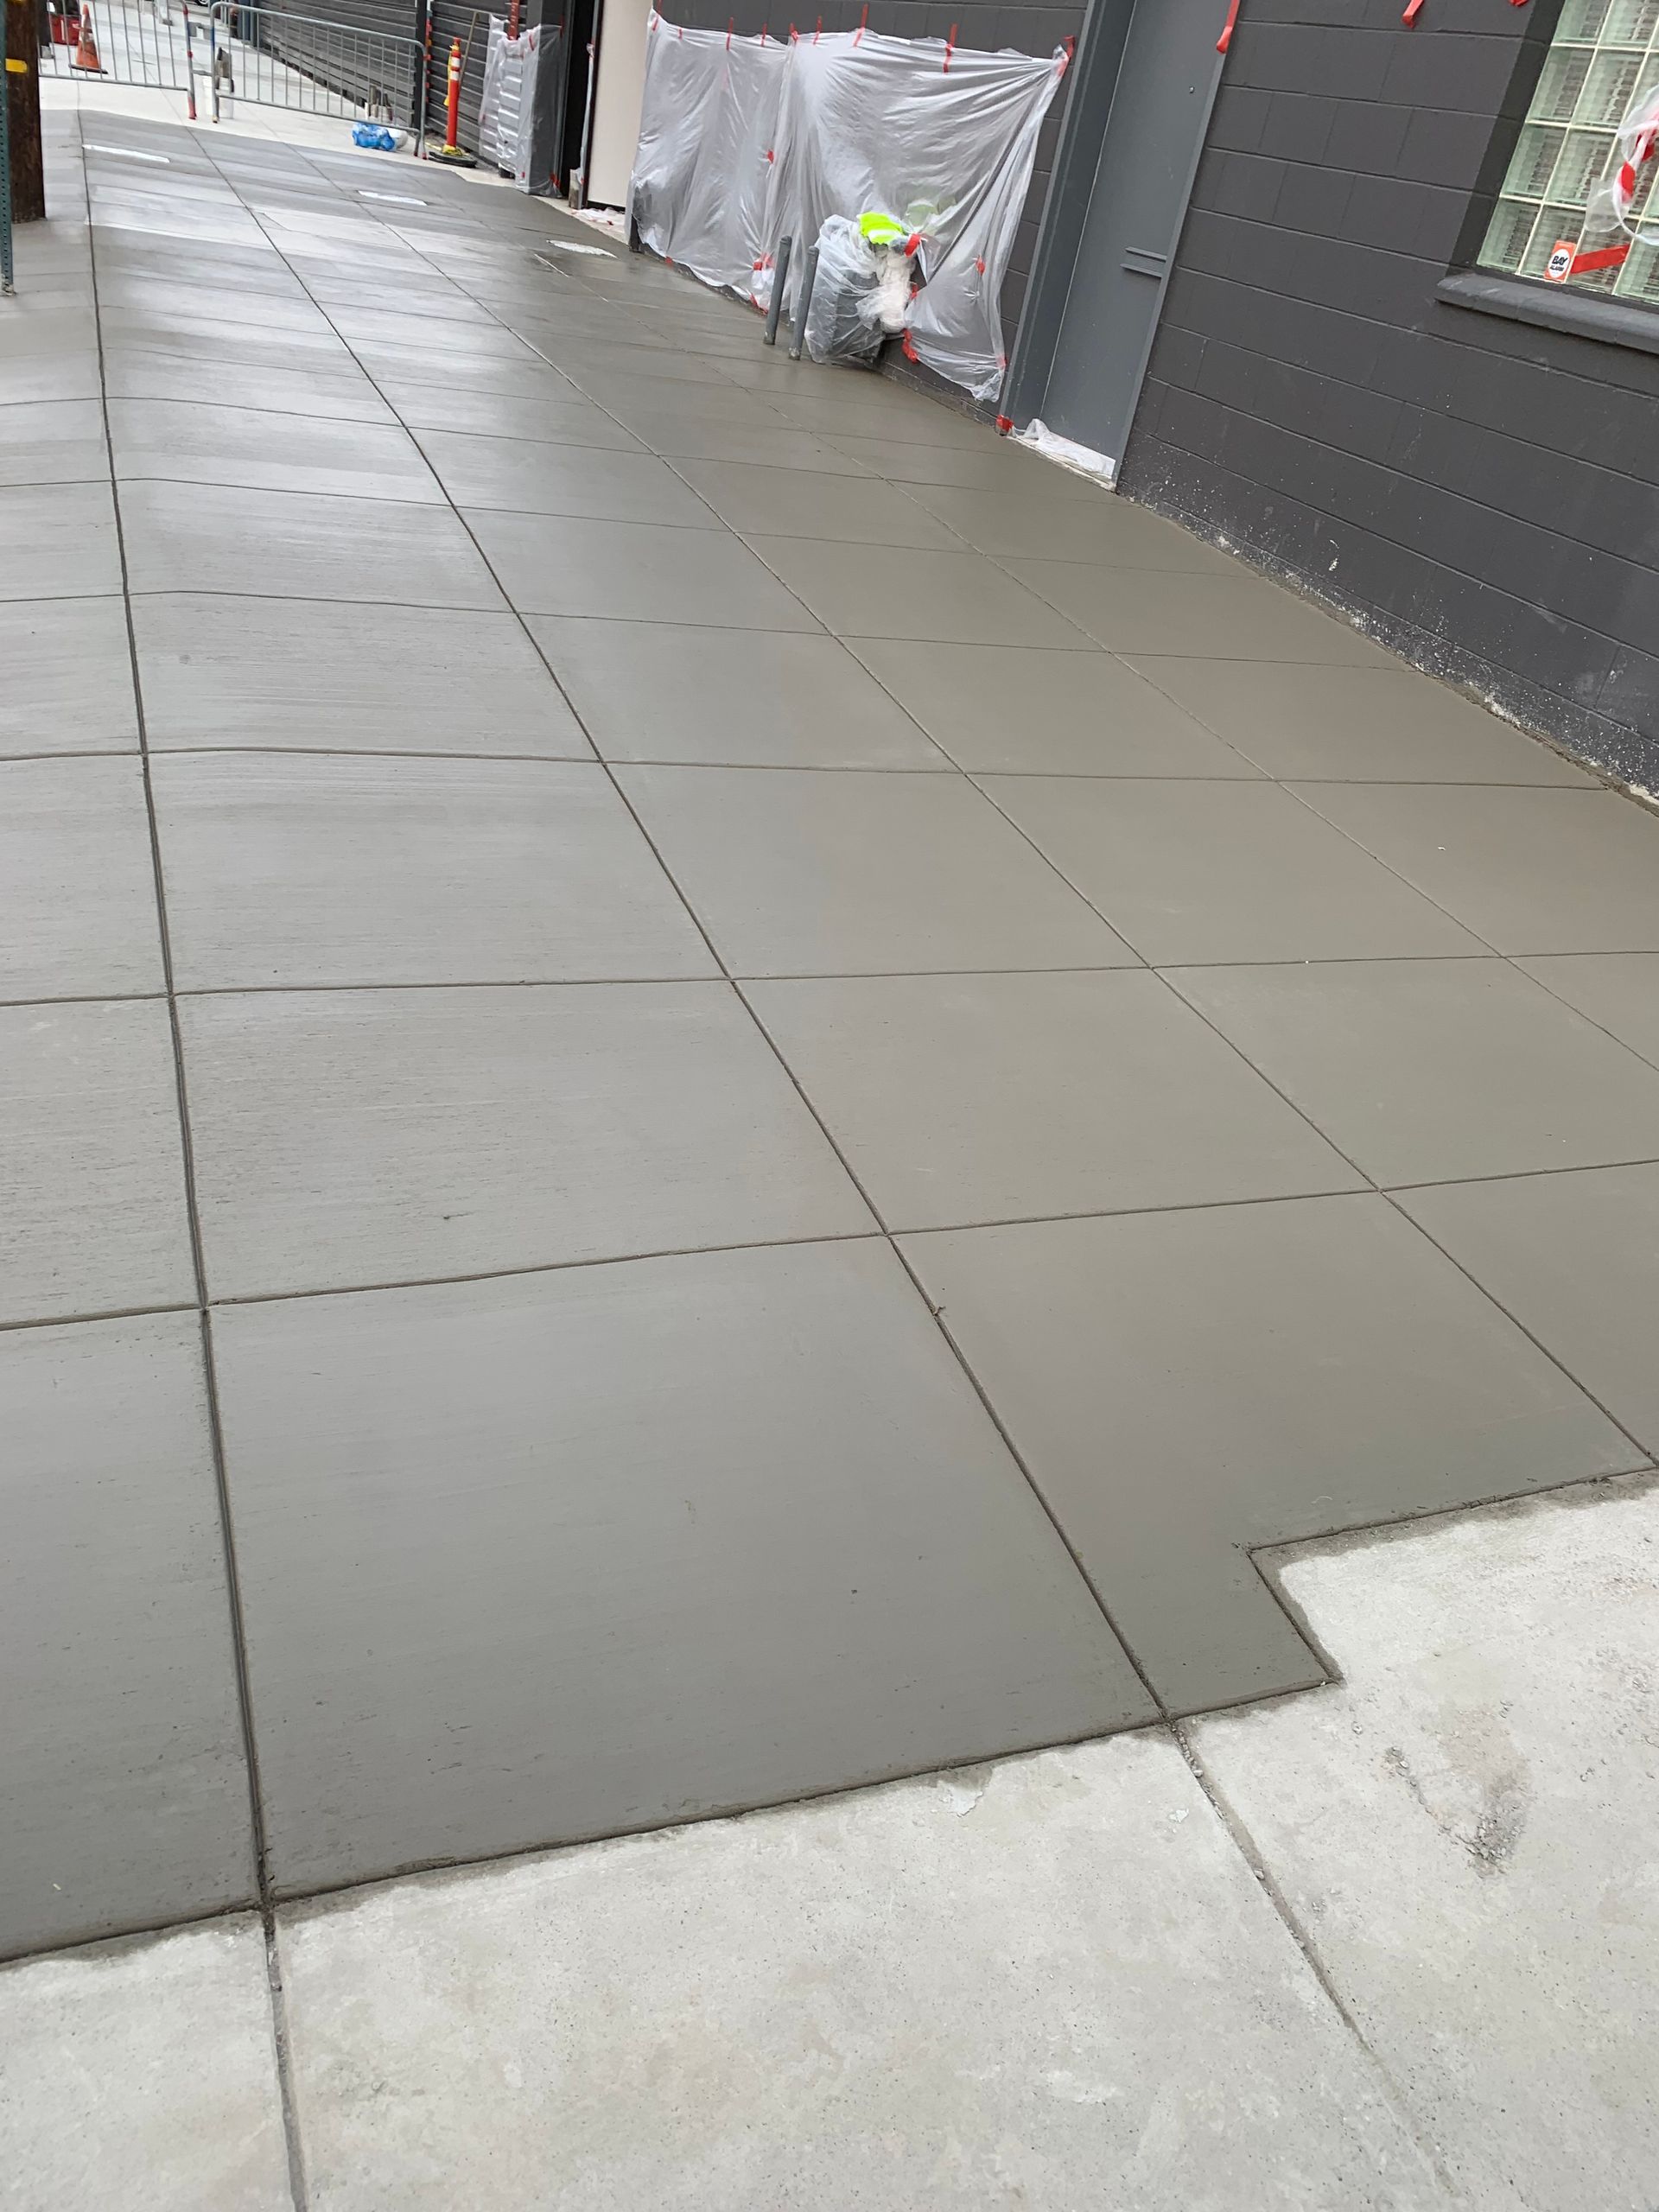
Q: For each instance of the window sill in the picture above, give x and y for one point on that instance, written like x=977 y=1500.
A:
x=1552 y=307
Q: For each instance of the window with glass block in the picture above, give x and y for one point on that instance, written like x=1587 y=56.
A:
x=1579 y=205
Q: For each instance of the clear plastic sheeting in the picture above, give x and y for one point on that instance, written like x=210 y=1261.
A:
x=744 y=141
x=703 y=168
x=1613 y=224
x=507 y=104
x=943 y=139
x=844 y=320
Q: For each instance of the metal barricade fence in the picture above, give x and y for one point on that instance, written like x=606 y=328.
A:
x=260 y=56
x=131 y=44
x=283 y=59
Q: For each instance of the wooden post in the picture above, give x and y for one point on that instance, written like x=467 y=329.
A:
x=24 y=110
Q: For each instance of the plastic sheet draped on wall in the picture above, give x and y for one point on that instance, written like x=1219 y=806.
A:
x=506 y=106
x=745 y=140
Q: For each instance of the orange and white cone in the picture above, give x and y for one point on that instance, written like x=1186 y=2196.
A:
x=86 y=51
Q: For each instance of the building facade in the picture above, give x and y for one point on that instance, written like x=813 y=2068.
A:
x=1341 y=283
x=1364 y=376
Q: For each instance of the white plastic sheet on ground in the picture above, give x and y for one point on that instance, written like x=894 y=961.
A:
x=1083 y=461
x=744 y=141
x=506 y=105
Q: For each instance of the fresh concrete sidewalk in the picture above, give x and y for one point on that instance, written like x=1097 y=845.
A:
x=1062 y=1980
x=712 y=1092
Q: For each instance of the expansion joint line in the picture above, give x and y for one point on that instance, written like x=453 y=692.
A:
x=1245 y=1844
x=233 y=1589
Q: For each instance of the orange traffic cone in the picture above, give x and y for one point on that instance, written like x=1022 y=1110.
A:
x=86 y=51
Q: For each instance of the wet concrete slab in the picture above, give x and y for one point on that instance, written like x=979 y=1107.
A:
x=1187 y=1386
x=815 y=874
x=559 y=1554
x=68 y=676
x=126 y=1803
x=678 y=691
x=217 y=673
x=1193 y=872
x=96 y=1218
x=976 y=1099
x=78 y=915
x=1435 y=1071
x=347 y=1137
x=297 y=870
x=631 y=1407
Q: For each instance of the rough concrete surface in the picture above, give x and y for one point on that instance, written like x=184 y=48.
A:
x=1053 y=1982
x=1466 y=1830
x=141 y=2077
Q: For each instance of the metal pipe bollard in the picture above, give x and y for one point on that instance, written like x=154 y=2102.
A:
x=780 y=272
x=798 y=336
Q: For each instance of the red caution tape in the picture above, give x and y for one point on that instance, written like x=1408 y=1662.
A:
x=731 y=25
x=862 y=20
x=1226 y=38
x=1004 y=424
x=1413 y=9
x=1064 y=62
x=908 y=348
x=949 y=47
x=1606 y=257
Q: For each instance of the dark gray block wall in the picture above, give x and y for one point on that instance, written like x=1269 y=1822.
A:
x=1021 y=24
x=1483 y=492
